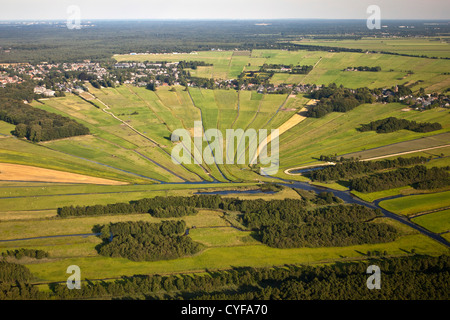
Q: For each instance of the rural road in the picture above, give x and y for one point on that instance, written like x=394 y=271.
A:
x=288 y=171
x=349 y=198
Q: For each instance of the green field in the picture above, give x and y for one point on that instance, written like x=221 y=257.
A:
x=130 y=141
x=226 y=248
x=418 y=203
x=336 y=133
x=328 y=66
x=430 y=47
x=437 y=222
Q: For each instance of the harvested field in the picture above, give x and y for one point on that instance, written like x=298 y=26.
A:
x=16 y=172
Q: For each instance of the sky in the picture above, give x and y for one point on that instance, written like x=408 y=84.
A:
x=222 y=9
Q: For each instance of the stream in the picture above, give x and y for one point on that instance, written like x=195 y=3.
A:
x=346 y=196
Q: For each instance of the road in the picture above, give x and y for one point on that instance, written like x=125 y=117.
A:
x=288 y=171
x=349 y=198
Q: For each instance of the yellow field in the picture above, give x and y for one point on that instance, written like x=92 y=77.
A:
x=16 y=172
x=292 y=122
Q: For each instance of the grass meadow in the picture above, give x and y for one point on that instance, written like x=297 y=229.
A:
x=226 y=247
x=417 y=203
x=130 y=142
x=329 y=66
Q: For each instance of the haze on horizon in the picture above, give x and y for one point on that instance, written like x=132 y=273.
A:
x=230 y=9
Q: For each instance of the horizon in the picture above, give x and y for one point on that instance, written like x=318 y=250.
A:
x=49 y=10
x=228 y=19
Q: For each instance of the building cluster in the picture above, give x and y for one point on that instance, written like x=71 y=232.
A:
x=5 y=79
x=167 y=74
x=144 y=72
x=17 y=73
x=427 y=101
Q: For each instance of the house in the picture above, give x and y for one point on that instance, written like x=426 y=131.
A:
x=49 y=93
x=39 y=90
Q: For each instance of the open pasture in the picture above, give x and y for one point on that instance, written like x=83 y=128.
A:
x=328 y=66
x=437 y=222
x=417 y=203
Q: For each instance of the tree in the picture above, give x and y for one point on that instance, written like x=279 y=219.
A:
x=151 y=86
x=21 y=130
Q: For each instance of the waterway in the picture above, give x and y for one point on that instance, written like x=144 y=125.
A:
x=346 y=196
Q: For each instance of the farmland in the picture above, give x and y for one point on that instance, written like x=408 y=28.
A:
x=127 y=157
x=417 y=203
x=226 y=247
x=328 y=67
x=430 y=47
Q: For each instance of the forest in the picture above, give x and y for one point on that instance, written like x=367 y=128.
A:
x=412 y=277
x=279 y=223
x=33 y=123
x=340 y=225
x=420 y=177
x=23 y=252
x=393 y=124
x=350 y=168
x=144 y=241
x=337 y=99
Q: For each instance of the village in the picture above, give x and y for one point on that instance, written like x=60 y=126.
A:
x=57 y=79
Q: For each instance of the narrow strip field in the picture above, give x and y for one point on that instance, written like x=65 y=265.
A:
x=292 y=122
x=437 y=222
x=418 y=203
x=16 y=172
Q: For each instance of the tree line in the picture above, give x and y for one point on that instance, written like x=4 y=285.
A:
x=161 y=207
x=22 y=252
x=365 y=68
x=144 y=241
x=338 y=99
x=339 y=225
x=193 y=64
x=298 y=69
x=418 y=176
x=33 y=123
x=413 y=277
x=393 y=124
x=348 y=169
x=173 y=206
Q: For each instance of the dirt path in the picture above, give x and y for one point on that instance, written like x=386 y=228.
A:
x=127 y=124
x=406 y=152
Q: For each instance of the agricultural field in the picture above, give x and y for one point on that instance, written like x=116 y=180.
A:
x=328 y=67
x=437 y=222
x=417 y=203
x=127 y=157
x=226 y=247
x=336 y=133
x=430 y=47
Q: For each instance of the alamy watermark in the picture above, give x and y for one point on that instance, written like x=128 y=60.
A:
x=374 y=20
x=374 y=281
x=73 y=17
x=241 y=147
x=74 y=281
